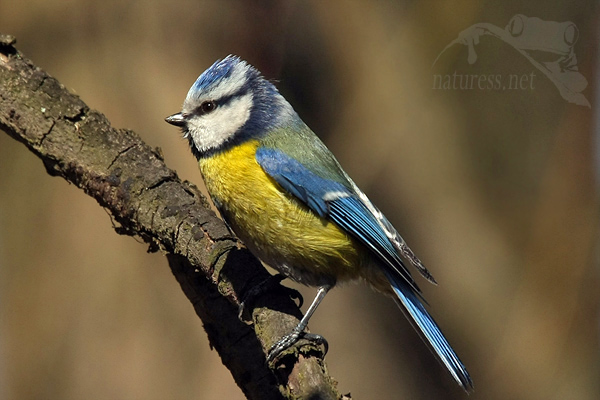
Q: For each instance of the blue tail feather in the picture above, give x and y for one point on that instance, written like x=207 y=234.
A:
x=409 y=302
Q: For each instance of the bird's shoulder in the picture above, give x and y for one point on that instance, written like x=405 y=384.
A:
x=299 y=147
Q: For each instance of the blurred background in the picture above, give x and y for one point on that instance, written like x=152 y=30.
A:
x=495 y=190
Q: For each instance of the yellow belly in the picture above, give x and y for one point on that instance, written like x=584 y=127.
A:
x=275 y=226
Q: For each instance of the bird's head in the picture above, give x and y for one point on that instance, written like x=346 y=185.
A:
x=230 y=101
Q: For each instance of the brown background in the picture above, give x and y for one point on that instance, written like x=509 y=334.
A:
x=496 y=191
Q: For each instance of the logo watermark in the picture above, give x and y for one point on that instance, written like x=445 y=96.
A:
x=547 y=45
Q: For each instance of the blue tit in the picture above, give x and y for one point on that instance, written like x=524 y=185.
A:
x=289 y=200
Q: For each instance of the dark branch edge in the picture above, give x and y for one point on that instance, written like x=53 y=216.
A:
x=146 y=199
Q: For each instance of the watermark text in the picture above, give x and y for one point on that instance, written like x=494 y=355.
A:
x=458 y=81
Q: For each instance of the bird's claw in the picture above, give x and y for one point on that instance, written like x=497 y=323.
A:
x=292 y=338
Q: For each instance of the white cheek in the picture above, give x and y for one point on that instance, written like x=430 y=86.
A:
x=212 y=130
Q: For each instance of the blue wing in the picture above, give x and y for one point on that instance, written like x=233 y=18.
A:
x=298 y=180
x=336 y=200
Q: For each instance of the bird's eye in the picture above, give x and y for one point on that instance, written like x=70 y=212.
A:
x=207 y=107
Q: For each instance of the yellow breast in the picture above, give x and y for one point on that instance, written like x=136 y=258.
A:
x=275 y=226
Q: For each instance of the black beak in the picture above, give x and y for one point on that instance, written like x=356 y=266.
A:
x=176 y=119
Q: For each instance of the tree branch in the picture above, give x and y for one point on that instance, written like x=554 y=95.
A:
x=147 y=199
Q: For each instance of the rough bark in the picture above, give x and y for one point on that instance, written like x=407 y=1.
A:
x=146 y=199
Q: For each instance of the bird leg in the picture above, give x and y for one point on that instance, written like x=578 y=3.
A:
x=298 y=332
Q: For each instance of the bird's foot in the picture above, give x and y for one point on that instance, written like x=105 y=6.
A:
x=272 y=283
x=292 y=338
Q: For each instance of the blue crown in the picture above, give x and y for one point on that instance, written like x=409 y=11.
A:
x=217 y=72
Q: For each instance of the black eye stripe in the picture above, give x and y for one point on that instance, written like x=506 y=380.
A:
x=219 y=103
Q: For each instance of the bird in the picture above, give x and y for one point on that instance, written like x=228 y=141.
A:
x=285 y=195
